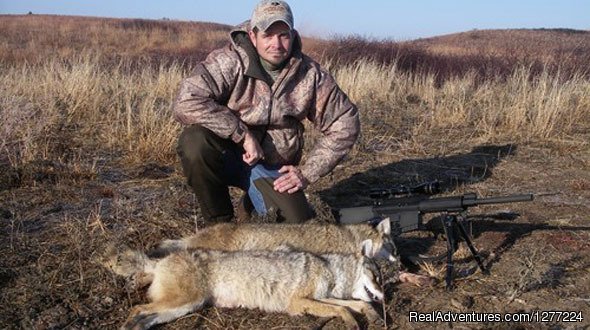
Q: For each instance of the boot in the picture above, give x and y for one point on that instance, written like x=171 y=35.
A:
x=244 y=209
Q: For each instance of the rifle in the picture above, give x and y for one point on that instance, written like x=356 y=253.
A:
x=405 y=207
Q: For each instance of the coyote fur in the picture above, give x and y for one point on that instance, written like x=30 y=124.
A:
x=314 y=238
x=274 y=281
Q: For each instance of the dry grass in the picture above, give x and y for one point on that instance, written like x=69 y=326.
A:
x=76 y=93
x=490 y=55
x=70 y=106
x=66 y=109
x=550 y=45
x=523 y=107
x=36 y=38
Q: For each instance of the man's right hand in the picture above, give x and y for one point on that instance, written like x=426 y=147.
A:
x=252 y=150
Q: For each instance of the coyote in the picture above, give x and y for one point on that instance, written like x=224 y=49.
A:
x=274 y=281
x=314 y=238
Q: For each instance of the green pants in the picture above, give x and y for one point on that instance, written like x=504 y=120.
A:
x=211 y=164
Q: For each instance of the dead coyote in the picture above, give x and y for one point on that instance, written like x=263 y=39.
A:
x=274 y=281
x=314 y=238
x=309 y=237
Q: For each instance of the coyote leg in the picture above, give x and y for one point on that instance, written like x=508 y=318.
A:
x=300 y=306
x=148 y=315
x=359 y=306
x=416 y=279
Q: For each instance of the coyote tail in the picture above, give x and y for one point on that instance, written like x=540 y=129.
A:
x=172 y=245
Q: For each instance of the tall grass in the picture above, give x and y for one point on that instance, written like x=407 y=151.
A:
x=72 y=101
x=523 y=107
x=66 y=106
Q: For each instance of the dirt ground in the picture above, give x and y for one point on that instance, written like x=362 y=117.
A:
x=55 y=226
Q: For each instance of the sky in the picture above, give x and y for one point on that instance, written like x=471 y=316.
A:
x=393 y=19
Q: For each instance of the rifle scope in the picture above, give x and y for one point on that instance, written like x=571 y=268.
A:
x=426 y=188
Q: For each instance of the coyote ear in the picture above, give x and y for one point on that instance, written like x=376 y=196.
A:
x=384 y=226
x=367 y=248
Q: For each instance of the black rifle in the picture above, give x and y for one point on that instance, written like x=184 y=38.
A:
x=405 y=208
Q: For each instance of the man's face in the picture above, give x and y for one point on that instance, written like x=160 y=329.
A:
x=274 y=44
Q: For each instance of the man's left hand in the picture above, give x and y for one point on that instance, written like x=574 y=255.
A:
x=291 y=181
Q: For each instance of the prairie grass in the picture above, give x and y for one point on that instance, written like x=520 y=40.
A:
x=566 y=46
x=489 y=54
x=107 y=92
x=65 y=106
x=36 y=38
x=523 y=107
x=62 y=107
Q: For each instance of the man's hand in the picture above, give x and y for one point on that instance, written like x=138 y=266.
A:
x=291 y=181
x=252 y=150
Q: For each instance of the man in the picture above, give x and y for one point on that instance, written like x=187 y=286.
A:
x=245 y=105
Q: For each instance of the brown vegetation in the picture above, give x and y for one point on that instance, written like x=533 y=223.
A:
x=87 y=156
x=491 y=54
x=36 y=38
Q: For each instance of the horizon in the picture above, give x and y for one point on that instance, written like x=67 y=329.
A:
x=375 y=20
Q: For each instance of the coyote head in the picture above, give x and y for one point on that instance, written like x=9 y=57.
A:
x=382 y=246
x=366 y=285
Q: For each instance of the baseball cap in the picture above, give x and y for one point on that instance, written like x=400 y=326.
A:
x=270 y=11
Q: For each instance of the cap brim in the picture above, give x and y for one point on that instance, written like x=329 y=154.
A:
x=263 y=26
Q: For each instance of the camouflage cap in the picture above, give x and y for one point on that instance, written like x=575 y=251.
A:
x=270 y=11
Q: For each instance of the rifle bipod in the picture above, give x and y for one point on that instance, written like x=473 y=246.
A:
x=452 y=225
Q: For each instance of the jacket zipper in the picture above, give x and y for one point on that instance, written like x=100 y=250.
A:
x=270 y=103
x=269 y=117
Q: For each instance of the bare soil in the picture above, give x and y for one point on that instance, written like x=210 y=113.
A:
x=55 y=226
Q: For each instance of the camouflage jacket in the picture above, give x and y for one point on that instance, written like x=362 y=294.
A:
x=229 y=93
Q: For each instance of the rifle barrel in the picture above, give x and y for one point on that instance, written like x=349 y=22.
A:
x=448 y=204
x=504 y=199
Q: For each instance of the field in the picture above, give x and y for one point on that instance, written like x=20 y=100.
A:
x=87 y=156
